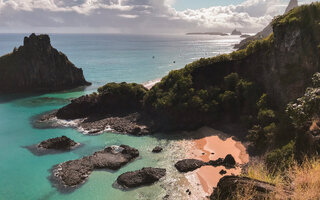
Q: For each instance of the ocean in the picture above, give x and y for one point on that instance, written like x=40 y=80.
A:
x=103 y=58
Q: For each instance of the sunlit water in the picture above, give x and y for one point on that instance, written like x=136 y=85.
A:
x=104 y=58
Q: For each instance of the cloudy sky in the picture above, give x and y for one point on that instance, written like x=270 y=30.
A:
x=137 y=16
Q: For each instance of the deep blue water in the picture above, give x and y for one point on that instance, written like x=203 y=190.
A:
x=104 y=58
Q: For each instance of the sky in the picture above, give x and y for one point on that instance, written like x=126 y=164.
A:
x=137 y=16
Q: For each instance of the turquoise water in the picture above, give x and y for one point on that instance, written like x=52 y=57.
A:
x=104 y=58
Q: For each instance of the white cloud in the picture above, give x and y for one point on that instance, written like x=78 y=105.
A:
x=133 y=16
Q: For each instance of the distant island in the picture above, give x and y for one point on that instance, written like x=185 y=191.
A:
x=236 y=32
x=208 y=33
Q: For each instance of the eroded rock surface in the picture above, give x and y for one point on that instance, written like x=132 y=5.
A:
x=145 y=176
x=59 y=143
x=74 y=172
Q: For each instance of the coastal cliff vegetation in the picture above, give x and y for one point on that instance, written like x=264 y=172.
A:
x=271 y=88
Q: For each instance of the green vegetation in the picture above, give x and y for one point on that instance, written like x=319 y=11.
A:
x=307 y=108
x=281 y=159
x=127 y=89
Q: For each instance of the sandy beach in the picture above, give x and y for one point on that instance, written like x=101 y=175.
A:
x=213 y=145
x=150 y=84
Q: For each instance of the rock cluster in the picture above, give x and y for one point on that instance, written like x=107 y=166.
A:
x=74 y=172
x=188 y=165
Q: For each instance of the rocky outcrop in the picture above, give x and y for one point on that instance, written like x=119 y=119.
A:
x=38 y=67
x=229 y=186
x=112 y=98
x=188 y=165
x=157 y=149
x=236 y=32
x=143 y=177
x=266 y=31
x=59 y=143
x=74 y=172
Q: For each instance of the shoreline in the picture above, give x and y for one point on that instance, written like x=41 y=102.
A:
x=150 y=84
x=214 y=144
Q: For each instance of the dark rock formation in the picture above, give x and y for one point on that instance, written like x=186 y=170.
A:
x=266 y=31
x=189 y=165
x=223 y=172
x=143 y=177
x=229 y=161
x=236 y=32
x=157 y=149
x=113 y=98
x=38 y=67
x=228 y=187
x=75 y=172
x=59 y=143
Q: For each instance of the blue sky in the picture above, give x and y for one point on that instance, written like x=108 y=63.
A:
x=196 y=4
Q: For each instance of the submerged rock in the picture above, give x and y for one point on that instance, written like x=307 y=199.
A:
x=188 y=165
x=145 y=176
x=157 y=149
x=38 y=67
x=59 y=143
x=228 y=187
x=74 y=172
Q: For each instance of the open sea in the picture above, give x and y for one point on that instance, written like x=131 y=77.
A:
x=103 y=58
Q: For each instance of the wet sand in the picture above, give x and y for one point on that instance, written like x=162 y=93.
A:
x=214 y=145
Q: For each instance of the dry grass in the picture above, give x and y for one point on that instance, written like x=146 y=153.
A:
x=306 y=180
x=300 y=182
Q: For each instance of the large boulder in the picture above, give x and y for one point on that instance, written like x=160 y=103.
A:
x=59 y=143
x=229 y=186
x=38 y=67
x=188 y=165
x=74 y=172
x=145 y=176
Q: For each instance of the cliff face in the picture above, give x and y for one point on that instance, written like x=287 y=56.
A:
x=266 y=31
x=284 y=63
x=38 y=67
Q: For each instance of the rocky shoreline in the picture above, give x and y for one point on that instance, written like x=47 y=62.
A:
x=73 y=173
x=132 y=124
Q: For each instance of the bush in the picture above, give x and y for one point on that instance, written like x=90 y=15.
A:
x=281 y=159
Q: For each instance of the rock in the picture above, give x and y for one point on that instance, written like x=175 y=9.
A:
x=74 y=172
x=223 y=172
x=228 y=187
x=236 y=32
x=59 y=143
x=216 y=163
x=157 y=149
x=38 y=67
x=188 y=165
x=143 y=177
x=112 y=98
x=229 y=161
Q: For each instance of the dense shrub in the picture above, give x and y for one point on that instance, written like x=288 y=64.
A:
x=281 y=159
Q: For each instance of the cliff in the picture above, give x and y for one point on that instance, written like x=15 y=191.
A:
x=281 y=65
x=38 y=67
x=266 y=31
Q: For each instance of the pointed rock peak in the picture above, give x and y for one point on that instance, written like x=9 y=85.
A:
x=292 y=5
